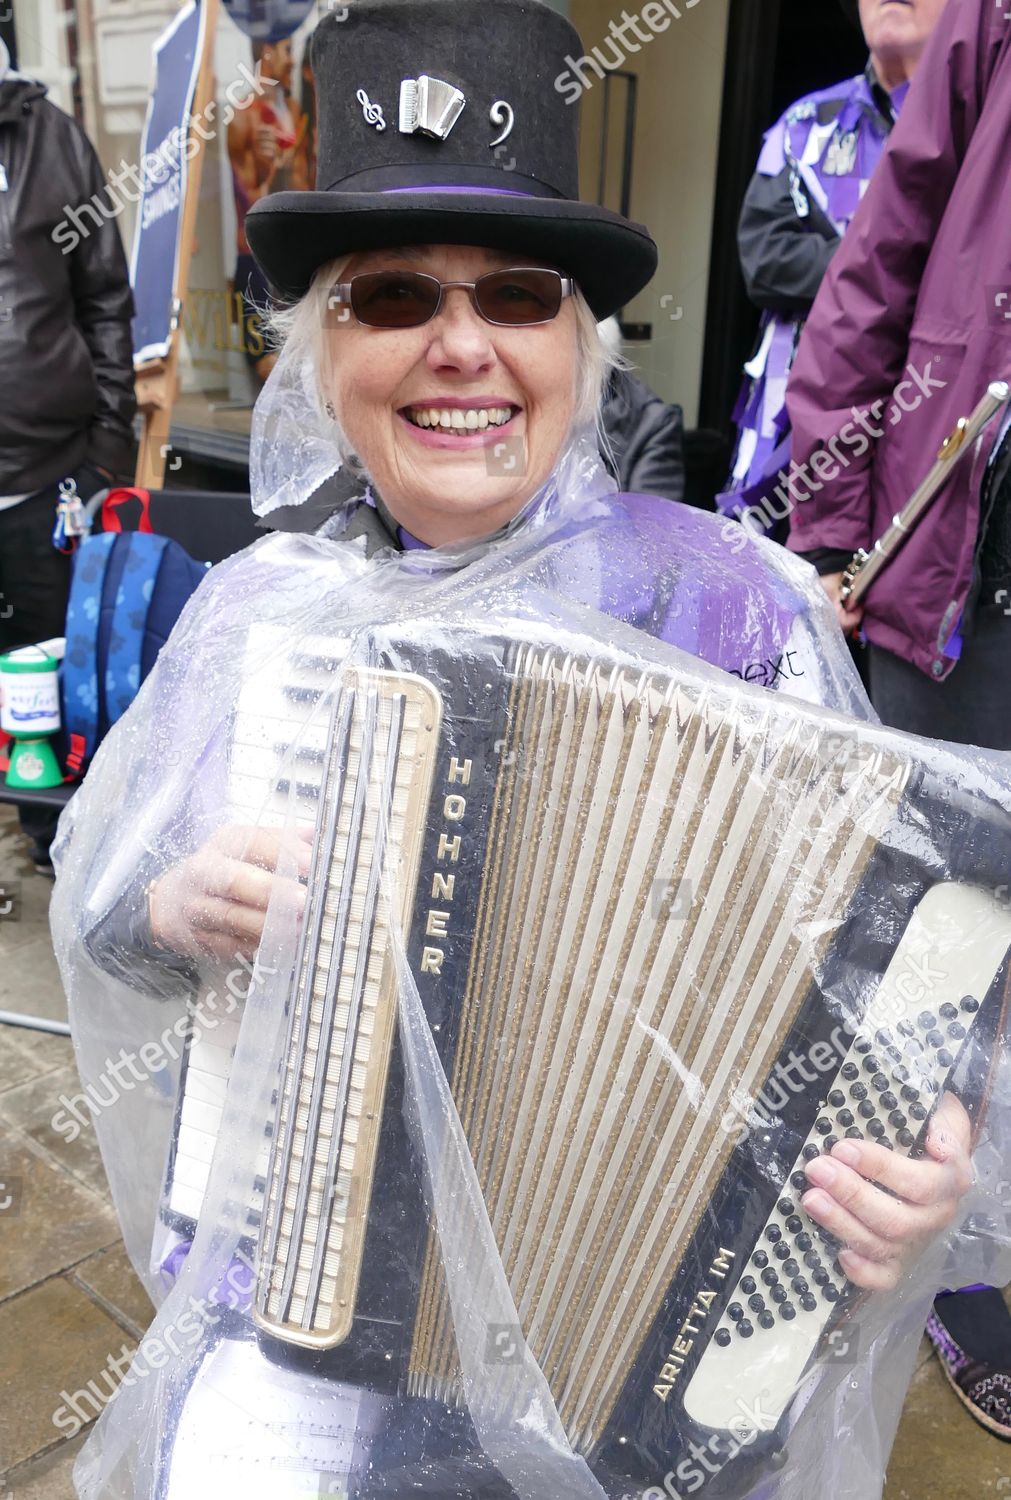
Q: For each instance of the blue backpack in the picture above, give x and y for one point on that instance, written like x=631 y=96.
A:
x=127 y=591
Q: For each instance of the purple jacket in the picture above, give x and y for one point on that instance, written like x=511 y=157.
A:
x=911 y=316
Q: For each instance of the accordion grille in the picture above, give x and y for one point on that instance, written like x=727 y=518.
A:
x=340 y=1022
x=661 y=877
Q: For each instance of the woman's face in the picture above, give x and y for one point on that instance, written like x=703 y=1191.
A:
x=453 y=485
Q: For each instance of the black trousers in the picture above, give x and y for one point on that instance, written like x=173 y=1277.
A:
x=971 y=707
x=34 y=587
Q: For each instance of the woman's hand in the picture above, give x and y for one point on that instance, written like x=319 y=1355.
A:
x=215 y=902
x=849 y=619
x=882 y=1233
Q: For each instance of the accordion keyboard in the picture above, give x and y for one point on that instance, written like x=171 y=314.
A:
x=893 y=1075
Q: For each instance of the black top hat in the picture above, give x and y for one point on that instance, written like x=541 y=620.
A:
x=448 y=122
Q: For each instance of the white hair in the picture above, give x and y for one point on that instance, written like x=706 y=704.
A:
x=301 y=330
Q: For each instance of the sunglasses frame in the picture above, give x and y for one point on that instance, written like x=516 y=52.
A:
x=343 y=292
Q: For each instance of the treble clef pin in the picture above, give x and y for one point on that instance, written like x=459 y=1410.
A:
x=372 y=112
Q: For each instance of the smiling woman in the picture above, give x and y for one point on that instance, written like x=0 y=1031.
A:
x=535 y=891
x=398 y=397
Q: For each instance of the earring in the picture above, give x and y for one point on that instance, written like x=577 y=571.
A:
x=330 y=411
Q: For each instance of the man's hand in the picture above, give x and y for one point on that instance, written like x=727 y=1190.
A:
x=849 y=619
x=215 y=902
x=885 y=1207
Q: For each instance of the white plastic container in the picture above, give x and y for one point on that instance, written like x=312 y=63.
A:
x=29 y=692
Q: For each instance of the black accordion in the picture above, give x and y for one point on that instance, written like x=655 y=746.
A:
x=672 y=940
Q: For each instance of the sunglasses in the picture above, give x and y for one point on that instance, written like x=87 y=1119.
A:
x=517 y=298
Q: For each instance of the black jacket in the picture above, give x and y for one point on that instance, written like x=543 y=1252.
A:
x=647 y=438
x=66 y=353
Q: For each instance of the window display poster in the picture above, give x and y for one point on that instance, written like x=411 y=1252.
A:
x=167 y=145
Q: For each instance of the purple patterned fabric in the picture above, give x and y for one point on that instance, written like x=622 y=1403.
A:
x=854 y=139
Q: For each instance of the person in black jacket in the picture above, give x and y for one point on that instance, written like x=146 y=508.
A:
x=66 y=358
x=645 y=437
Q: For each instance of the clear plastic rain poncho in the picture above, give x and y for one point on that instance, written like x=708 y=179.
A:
x=601 y=907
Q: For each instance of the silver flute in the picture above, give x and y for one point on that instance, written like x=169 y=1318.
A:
x=865 y=566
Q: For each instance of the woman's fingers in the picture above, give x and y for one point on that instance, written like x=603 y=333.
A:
x=223 y=891
x=881 y=1205
x=263 y=847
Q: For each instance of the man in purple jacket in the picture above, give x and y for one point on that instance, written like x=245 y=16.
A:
x=912 y=322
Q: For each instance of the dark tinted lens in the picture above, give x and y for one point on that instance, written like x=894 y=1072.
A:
x=394 y=299
x=519 y=296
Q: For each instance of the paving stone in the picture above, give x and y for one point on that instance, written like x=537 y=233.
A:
x=110 y=1274
x=55 y=1341
x=29 y=1054
x=31 y=1108
x=940 y=1453
x=47 y=1477
x=30 y=980
x=53 y=1222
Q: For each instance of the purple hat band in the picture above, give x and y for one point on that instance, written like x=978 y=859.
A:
x=466 y=188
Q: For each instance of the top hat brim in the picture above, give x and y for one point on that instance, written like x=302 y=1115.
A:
x=610 y=258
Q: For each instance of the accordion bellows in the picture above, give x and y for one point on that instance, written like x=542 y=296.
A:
x=619 y=893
